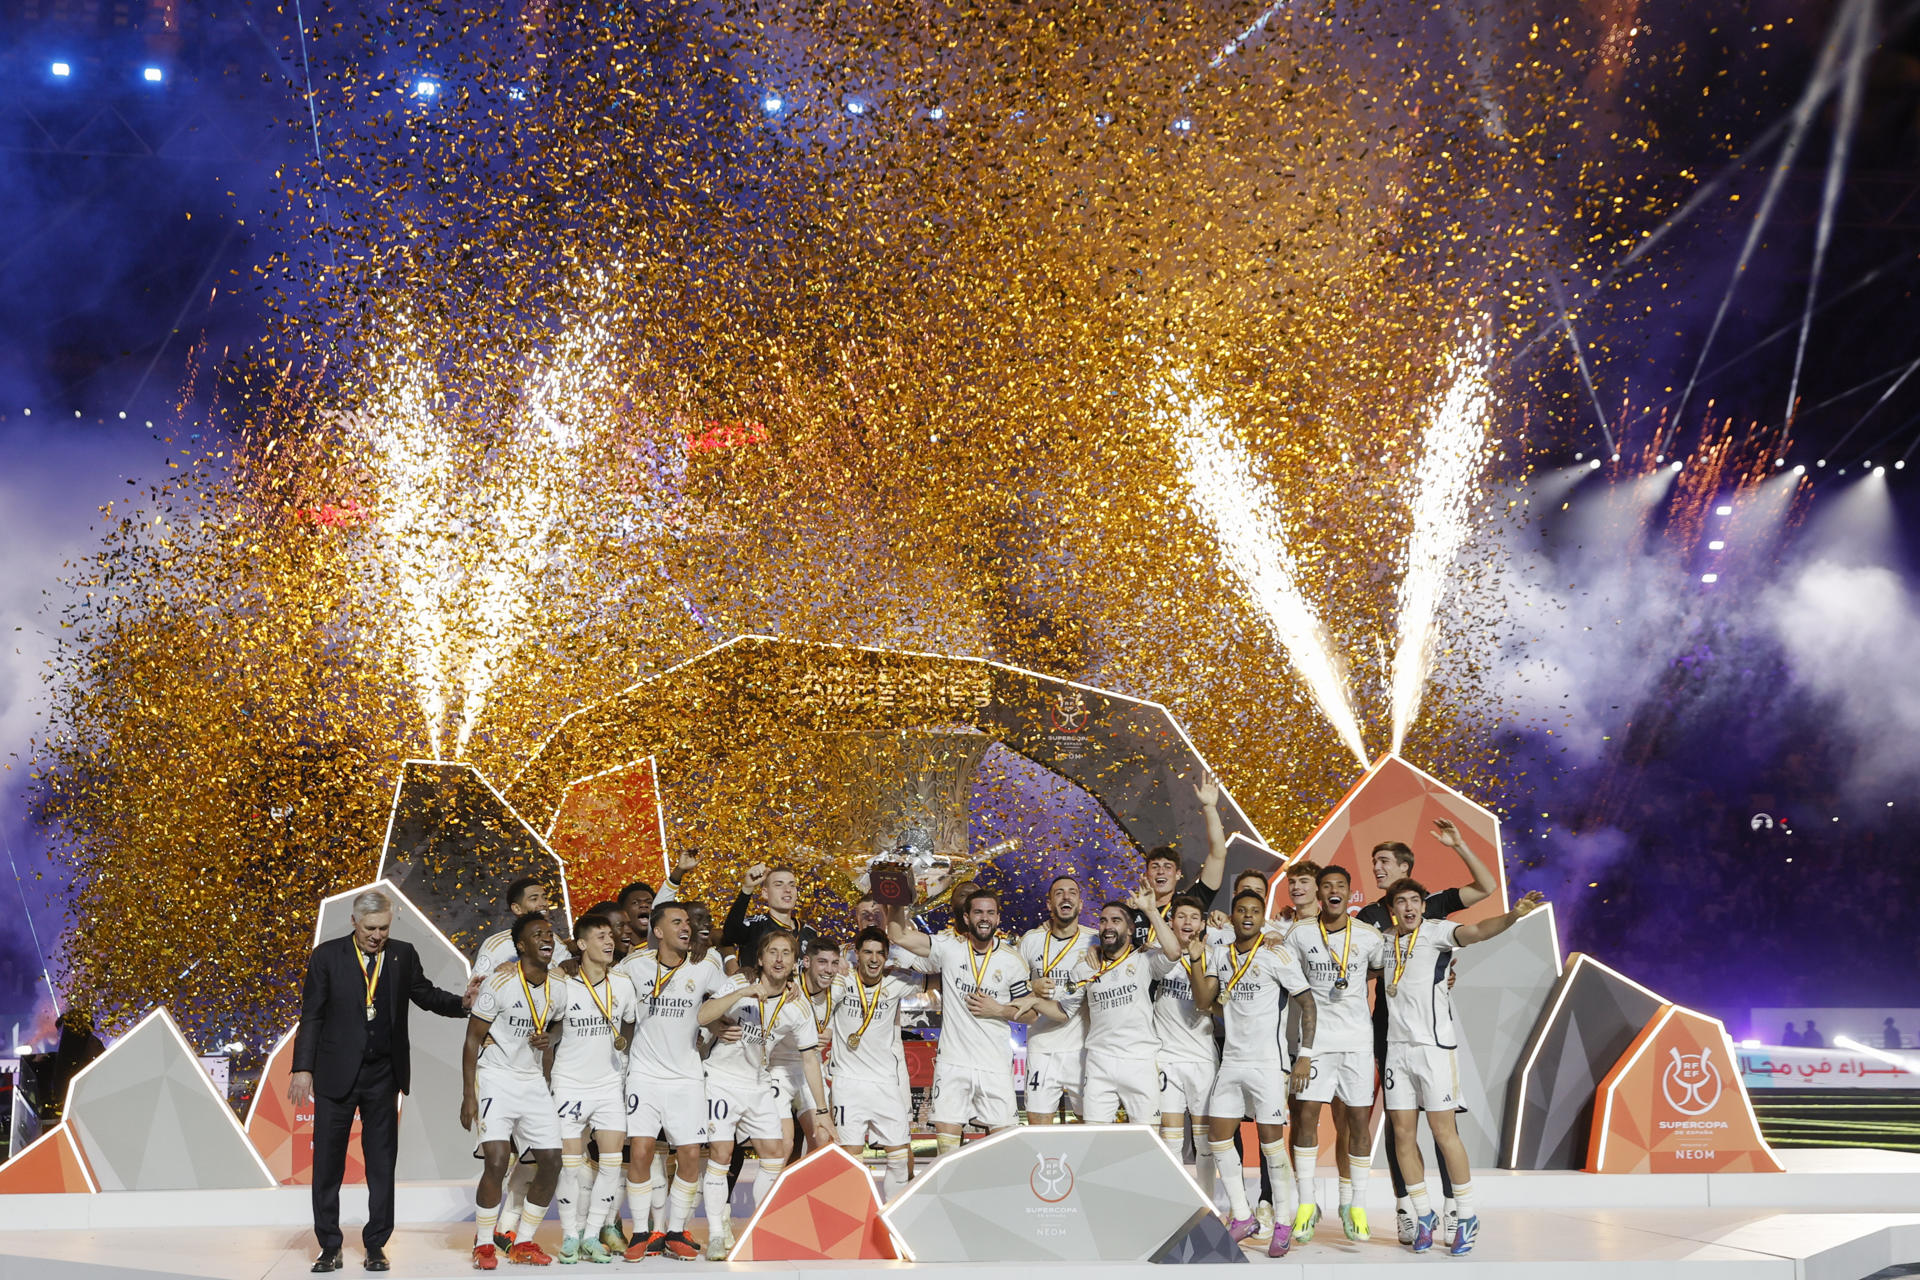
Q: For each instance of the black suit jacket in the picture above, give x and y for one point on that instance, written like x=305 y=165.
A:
x=332 y=1040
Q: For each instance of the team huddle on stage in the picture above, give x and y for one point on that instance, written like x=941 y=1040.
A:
x=647 y=1044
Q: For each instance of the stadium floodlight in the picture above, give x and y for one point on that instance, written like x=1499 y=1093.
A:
x=62 y=69
x=152 y=75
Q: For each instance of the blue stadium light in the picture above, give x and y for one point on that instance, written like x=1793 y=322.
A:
x=61 y=69
x=938 y=113
x=425 y=88
x=517 y=93
x=1183 y=125
x=772 y=103
x=856 y=107
x=152 y=75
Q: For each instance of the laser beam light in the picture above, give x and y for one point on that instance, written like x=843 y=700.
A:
x=1240 y=509
x=1452 y=457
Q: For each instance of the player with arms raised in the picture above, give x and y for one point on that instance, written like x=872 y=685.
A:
x=1421 y=1073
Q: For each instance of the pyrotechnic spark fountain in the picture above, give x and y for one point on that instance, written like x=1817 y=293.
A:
x=1226 y=494
x=539 y=476
x=413 y=464
x=1453 y=455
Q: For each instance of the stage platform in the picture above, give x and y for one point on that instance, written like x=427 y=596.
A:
x=1834 y=1215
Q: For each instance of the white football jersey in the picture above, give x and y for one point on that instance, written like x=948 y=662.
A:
x=1184 y=1033
x=999 y=973
x=666 y=1043
x=1051 y=957
x=879 y=1055
x=1419 y=1004
x=764 y=1024
x=592 y=1018
x=503 y=1003
x=1118 y=1001
x=786 y=1052
x=1343 y=1023
x=1254 y=989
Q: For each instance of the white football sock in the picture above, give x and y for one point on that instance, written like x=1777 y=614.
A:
x=713 y=1190
x=602 y=1198
x=1286 y=1202
x=763 y=1183
x=530 y=1219
x=1362 y=1167
x=570 y=1193
x=639 y=1197
x=1346 y=1193
x=682 y=1199
x=1305 y=1161
x=1417 y=1200
x=1227 y=1160
x=1463 y=1199
x=895 y=1180
x=662 y=1185
x=483 y=1223
x=515 y=1199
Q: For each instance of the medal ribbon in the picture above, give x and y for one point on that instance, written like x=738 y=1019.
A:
x=1400 y=961
x=1109 y=965
x=766 y=1028
x=371 y=976
x=539 y=1015
x=1240 y=967
x=866 y=1010
x=977 y=963
x=606 y=1008
x=661 y=977
x=1346 y=948
x=1046 y=961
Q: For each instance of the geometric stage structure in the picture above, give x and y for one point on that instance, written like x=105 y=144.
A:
x=1591 y=1020
x=1055 y=1193
x=432 y=1144
x=147 y=1118
x=1666 y=1106
x=50 y=1163
x=1502 y=990
x=822 y=1209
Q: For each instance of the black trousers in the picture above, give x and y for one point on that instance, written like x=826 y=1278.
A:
x=376 y=1097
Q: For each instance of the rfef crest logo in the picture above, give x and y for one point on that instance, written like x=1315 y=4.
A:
x=1691 y=1082
x=1067 y=712
x=1051 y=1179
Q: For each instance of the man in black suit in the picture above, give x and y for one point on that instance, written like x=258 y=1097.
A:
x=351 y=1054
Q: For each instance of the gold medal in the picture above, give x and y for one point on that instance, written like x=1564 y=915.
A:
x=1346 y=951
x=371 y=976
x=866 y=1010
x=853 y=1041
x=1240 y=967
x=1400 y=961
x=620 y=1043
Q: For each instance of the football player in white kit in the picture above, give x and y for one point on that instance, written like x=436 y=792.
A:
x=1114 y=983
x=870 y=1103
x=1056 y=1049
x=1184 y=1031
x=741 y=1095
x=1251 y=982
x=503 y=1067
x=984 y=985
x=1337 y=951
x=799 y=1106
x=1421 y=1074
x=528 y=895
x=666 y=1080
x=597 y=1011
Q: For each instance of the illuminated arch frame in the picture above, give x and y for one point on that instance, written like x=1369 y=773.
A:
x=639 y=686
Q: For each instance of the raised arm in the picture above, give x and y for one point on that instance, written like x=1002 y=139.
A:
x=1468 y=934
x=1483 y=882
x=909 y=939
x=1163 y=935
x=1206 y=986
x=1214 y=869
x=717 y=1007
